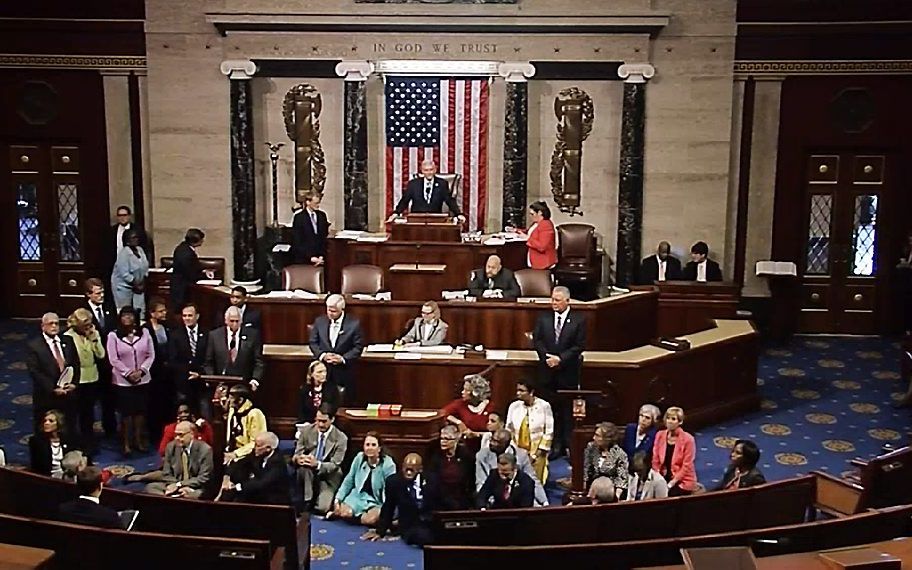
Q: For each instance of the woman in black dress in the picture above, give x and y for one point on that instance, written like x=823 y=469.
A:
x=162 y=393
x=48 y=446
x=315 y=391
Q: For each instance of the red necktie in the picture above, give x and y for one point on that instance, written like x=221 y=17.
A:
x=506 y=493
x=58 y=356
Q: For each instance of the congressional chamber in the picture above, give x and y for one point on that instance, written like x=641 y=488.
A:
x=455 y=283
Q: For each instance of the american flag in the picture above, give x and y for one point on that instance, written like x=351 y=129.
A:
x=444 y=120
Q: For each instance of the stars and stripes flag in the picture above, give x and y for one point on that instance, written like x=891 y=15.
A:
x=444 y=120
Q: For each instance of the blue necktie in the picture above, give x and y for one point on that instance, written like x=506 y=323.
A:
x=320 y=443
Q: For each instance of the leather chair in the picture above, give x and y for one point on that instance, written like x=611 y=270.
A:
x=362 y=279
x=534 y=282
x=577 y=259
x=303 y=276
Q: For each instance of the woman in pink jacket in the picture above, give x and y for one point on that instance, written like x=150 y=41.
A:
x=131 y=354
x=673 y=454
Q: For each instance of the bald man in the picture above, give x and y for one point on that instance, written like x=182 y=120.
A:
x=493 y=281
x=187 y=466
x=660 y=267
x=414 y=495
x=427 y=194
x=48 y=356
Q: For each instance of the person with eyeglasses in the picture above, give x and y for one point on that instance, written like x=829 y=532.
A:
x=429 y=329
x=453 y=467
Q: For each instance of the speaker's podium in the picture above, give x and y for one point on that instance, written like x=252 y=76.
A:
x=426 y=228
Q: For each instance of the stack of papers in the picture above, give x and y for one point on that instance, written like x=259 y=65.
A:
x=161 y=270
x=496 y=354
x=212 y=282
x=454 y=295
x=296 y=294
x=495 y=241
x=379 y=348
x=381 y=296
x=348 y=234
x=776 y=268
x=372 y=238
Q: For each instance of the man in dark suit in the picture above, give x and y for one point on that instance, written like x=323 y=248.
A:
x=250 y=317
x=660 y=267
x=260 y=477
x=86 y=509
x=48 y=356
x=186 y=269
x=232 y=351
x=105 y=319
x=700 y=267
x=494 y=281
x=187 y=355
x=413 y=495
x=186 y=467
x=336 y=340
x=427 y=194
x=559 y=338
x=506 y=487
x=309 y=230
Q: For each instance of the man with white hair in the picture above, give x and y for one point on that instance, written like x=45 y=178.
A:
x=49 y=356
x=260 y=477
x=427 y=194
x=233 y=351
x=336 y=340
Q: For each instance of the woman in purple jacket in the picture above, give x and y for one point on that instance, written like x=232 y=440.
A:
x=131 y=354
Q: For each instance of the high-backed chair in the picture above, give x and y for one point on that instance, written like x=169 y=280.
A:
x=577 y=259
x=303 y=276
x=534 y=282
x=362 y=279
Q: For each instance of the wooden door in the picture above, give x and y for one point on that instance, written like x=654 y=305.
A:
x=845 y=195
x=49 y=229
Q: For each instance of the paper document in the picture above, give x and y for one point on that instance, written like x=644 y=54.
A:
x=439 y=349
x=776 y=268
x=496 y=354
x=66 y=377
x=349 y=234
x=407 y=356
x=452 y=295
x=494 y=241
x=379 y=348
x=372 y=238
x=281 y=247
x=212 y=282
x=160 y=270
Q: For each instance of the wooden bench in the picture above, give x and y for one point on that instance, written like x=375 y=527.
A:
x=880 y=482
x=872 y=526
x=772 y=504
x=78 y=546
x=29 y=495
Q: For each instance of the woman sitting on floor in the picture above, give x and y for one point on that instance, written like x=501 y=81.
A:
x=742 y=471
x=673 y=454
x=363 y=490
x=640 y=435
x=644 y=481
x=47 y=448
x=603 y=457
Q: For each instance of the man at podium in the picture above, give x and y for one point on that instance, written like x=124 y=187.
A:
x=427 y=194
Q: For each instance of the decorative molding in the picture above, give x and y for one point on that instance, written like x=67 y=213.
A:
x=105 y=62
x=516 y=71
x=436 y=67
x=238 y=68
x=354 y=70
x=636 y=72
x=818 y=67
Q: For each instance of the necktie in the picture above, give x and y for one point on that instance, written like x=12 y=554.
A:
x=506 y=491
x=320 y=444
x=427 y=192
x=558 y=326
x=313 y=220
x=232 y=348
x=58 y=355
x=99 y=314
x=191 y=334
x=334 y=332
x=185 y=465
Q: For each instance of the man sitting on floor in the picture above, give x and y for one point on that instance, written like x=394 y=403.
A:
x=187 y=466
x=413 y=496
x=501 y=441
x=506 y=487
x=318 y=455
x=260 y=477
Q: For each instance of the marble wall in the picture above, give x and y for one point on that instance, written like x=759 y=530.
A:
x=688 y=108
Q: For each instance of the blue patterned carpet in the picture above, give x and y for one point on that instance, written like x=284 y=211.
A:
x=825 y=400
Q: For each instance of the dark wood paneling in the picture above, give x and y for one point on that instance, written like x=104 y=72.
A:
x=823 y=10
x=883 y=41
x=82 y=10
x=72 y=37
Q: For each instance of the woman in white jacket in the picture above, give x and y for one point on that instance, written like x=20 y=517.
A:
x=532 y=423
x=644 y=481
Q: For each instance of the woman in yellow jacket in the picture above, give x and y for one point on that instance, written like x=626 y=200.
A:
x=89 y=347
x=244 y=423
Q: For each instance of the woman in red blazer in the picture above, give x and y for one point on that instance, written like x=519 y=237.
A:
x=541 y=238
x=678 y=468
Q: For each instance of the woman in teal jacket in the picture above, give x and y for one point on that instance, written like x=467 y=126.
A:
x=362 y=492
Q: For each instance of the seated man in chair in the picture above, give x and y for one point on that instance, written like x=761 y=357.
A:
x=494 y=281
x=427 y=194
x=701 y=268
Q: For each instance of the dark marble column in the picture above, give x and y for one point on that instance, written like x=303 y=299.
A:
x=355 y=166
x=630 y=187
x=516 y=154
x=243 y=192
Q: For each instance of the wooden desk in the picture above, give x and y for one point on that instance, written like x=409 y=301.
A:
x=714 y=380
x=688 y=306
x=460 y=260
x=615 y=323
x=415 y=431
x=15 y=557
x=900 y=548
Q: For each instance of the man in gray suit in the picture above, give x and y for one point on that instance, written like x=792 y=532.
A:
x=232 y=351
x=486 y=461
x=319 y=454
x=336 y=341
x=187 y=465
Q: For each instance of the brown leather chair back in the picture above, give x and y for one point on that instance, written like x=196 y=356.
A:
x=303 y=276
x=576 y=244
x=534 y=282
x=364 y=279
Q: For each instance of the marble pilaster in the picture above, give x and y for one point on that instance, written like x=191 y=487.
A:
x=355 y=74
x=516 y=138
x=243 y=188
x=630 y=173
